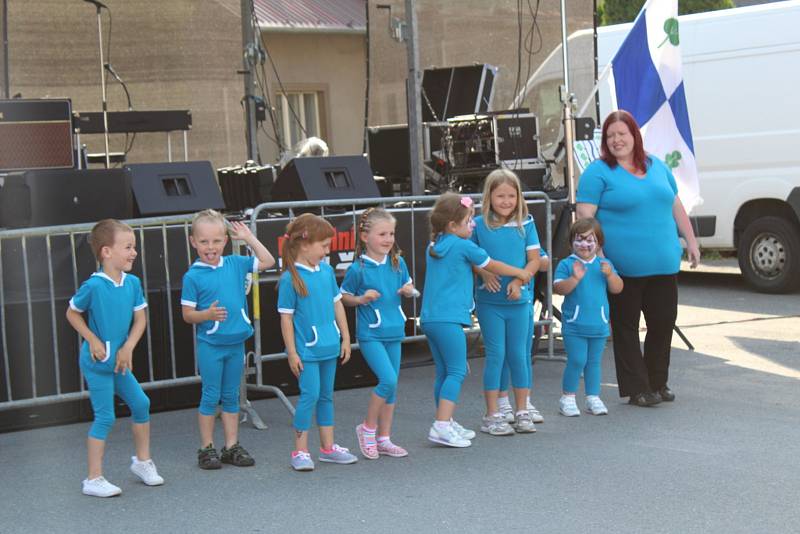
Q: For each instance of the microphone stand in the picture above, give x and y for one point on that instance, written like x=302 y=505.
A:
x=103 y=82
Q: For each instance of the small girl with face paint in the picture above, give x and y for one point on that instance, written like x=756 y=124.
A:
x=584 y=278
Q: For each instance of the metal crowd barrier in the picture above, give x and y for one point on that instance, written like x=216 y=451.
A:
x=42 y=292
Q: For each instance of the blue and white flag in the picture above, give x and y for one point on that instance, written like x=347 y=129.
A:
x=646 y=80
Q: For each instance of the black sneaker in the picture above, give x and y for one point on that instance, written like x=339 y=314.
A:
x=237 y=456
x=666 y=394
x=645 y=399
x=207 y=458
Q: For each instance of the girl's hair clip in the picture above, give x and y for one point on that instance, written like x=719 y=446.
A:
x=305 y=235
x=287 y=236
x=466 y=202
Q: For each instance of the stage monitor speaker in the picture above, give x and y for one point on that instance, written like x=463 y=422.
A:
x=174 y=188
x=35 y=134
x=57 y=197
x=389 y=153
x=246 y=187
x=325 y=178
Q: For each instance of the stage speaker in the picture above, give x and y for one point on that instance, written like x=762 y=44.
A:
x=35 y=134
x=56 y=197
x=325 y=178
x=175 y=187
x=246 y=187
x=452 y=91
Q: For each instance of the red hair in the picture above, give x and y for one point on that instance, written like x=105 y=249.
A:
x=639 y=156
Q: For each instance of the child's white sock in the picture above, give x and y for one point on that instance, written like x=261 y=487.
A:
x=503 y=401
x=441 y=425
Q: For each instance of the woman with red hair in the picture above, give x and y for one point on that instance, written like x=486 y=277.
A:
x=635 y=198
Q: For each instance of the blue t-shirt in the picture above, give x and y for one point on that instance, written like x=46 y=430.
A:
x=316 y=334
x=641 y=236
x=449 y=280
x=585 y=310
x=383 y=318
x=510 y=245
x=110 y=307
x=224 y=282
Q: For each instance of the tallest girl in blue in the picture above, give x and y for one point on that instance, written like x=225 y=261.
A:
x=447 y=303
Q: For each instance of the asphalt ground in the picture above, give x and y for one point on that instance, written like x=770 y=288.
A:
x=725 y=457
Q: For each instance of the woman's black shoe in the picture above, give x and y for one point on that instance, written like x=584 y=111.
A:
x=666 y=394
x=645 y=399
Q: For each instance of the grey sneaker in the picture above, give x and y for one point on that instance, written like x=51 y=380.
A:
x=338 y=455
x=536 y=417
x=147 y=471
x=595 y=406
x=495 y=425
x=507 y=411
x=448 y=436
x=302 y=461
x=465 y=433
x=567 y=406
x=523 y=423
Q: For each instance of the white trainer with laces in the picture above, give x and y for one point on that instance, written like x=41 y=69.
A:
x=567 y=406
x=495 y=425
x=146 y=470
x=465 y=433
x=447 y=436
x=536 y=417
x=100 y=487
x=595 y=406
x=507 y=411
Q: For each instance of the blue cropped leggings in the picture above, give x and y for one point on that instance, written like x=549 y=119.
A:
x=449 y=349
x=504 y=329
x=316 y=391
x=505 y=376
x=221 y=368
x=383 y=357
x=584 y=355
x=102 y=387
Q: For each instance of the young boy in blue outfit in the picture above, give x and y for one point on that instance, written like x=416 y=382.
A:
x=214 y=299
x=113 y=299
x=585 y=279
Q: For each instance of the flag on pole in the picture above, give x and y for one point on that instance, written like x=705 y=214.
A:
x=646 y=80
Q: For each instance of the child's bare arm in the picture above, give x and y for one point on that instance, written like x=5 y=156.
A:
x=242 y=232
x=212 y=313
x=287 y=331
x=498 y=267
x=97 y=348
x=341 y=322
x=125 y=352
x=368 y=296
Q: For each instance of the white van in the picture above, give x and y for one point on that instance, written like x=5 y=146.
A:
x=741 y=69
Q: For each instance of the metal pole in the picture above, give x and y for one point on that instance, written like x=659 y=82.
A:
x=569 y=120
x=249 y=59
x=414 y=92
x=6 y=75
x=103 y=86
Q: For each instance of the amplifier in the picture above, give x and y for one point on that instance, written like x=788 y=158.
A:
x=36 y=134
x=532 y=173
x=516 y=136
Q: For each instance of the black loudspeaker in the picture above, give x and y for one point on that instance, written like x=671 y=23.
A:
x=325 y=178
x=389 y=153
x=35 y=134
x=56 y=197
x=246 y=187
x=452 y=91
x=175 y=187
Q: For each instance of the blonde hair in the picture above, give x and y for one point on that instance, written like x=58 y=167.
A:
x=495 y=179
x=208 y=216
x=104 y=233
x=365 y=222
x=306 y=229
x=448 y=208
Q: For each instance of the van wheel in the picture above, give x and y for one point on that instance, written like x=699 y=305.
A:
x=769 y=255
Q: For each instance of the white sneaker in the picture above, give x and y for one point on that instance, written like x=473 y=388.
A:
x=495 y=425
x=567 y=406
x=447 y=436
x=536 y=417
x=465 y=433
x=595 y=406
x=147 y=471
x=100 y=487
x=507 y=411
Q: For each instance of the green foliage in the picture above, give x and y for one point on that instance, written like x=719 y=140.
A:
x=619 y=11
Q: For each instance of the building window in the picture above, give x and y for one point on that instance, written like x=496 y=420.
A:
x=298 y=111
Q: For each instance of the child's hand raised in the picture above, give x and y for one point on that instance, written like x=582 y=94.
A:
x=578 y=270
x=216 y=313
x=240 y=231
x=295 y=364
x=369 y=295
x=605 y=268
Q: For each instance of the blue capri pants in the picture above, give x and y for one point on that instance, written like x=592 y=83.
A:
x=504 y=329
x=316 y=392
x=383 y=357
x=449 y=349
x=221 y=368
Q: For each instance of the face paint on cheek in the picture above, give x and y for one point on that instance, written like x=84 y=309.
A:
x=584 y=245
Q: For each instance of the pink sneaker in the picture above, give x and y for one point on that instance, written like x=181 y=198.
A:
x=366 y=442
x=390 y=449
